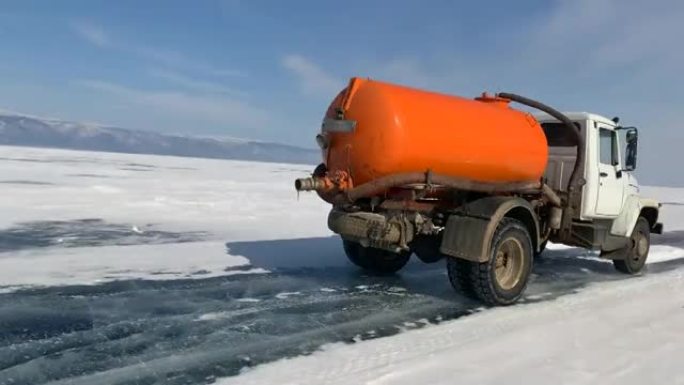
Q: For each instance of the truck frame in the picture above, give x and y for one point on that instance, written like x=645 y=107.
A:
x=490 y=234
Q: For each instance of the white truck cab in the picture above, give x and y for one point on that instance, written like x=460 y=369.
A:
x=611 y=204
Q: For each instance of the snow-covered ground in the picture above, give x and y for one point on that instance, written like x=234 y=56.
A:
x=614 y=333
x=125 y=269
x=142 y=205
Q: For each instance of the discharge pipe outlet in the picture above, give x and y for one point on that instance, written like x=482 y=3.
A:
x=309 y=184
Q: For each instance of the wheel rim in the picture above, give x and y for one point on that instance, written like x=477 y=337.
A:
x=509 y=263
x=640 y=246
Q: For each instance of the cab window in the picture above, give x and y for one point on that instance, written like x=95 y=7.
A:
x=608 y=148
x=557 y=134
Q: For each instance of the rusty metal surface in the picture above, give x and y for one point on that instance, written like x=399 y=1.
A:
x=372 y=229
x=407 y=205
x=381 y=185
x=551 y=196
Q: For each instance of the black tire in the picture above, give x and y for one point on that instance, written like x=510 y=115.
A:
x=511 y=247
x=374 y=260
x=542 y=247
x=460 y=276
x=633 y=256
x=426 y=248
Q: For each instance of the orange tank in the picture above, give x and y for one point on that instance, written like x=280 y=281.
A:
x=374 y=129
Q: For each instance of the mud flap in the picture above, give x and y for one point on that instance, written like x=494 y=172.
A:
x=464 y=237
x=467 y=234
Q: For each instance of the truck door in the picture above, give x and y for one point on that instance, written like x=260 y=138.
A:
x=611 y=181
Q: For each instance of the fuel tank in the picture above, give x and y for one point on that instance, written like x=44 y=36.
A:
x=374 y=129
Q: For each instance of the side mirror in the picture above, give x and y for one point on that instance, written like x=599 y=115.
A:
x=631 y=137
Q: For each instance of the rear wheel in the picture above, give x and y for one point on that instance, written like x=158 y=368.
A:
x=633 y=255
x=503 y=278
x=377 y=261
x=542 y=247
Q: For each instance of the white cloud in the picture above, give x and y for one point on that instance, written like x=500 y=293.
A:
x=175 y=59
x=449 y=76
x=98 y=36
x=406 y=71
x=190 y=83
x=313 y=79
x=613 y=33
x=214 y=109
x=91 y=33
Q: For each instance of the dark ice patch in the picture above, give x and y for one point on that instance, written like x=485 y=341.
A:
x=56 y=160
x=24 y=160
x=140 y=165
x=670 y=238
x=135 y=169
x=87 y=232
x=247 y=267
x=22 y=322
x=86 y=175
x=26 y=182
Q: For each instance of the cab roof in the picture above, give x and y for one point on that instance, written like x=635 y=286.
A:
x=575 y=116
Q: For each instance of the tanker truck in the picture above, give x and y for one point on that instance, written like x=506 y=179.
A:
x=478 y=183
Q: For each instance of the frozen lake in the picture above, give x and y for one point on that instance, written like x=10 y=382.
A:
x=133 y=269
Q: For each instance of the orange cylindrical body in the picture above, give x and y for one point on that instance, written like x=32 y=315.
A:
x=400 y=129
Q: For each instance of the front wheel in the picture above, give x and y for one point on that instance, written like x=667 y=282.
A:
x=374 y=260
x=503 y=278
x=634 y=254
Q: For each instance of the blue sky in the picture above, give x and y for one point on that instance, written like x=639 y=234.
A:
x=267 y=69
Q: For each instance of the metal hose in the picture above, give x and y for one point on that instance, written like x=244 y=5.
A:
x=576 y=180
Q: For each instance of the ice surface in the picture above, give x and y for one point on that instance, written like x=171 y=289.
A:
x=73 y=198
x=626 y=332
x=130 y=269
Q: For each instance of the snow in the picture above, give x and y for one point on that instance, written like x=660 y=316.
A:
x=73 y=218
x=229 y=201
x=618 y=333
x=286 y=294
x=91 y=265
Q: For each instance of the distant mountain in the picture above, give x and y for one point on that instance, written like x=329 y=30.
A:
x=22 y=130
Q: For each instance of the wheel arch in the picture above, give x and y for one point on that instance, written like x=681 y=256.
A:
x=469 y=232
x=650 y=214
x=527 y=217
